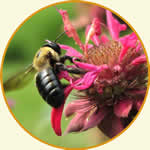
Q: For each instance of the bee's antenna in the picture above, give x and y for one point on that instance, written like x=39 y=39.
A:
x=61 y=33
x=59 y=36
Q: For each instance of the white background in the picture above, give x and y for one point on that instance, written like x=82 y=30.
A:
x=13 y=13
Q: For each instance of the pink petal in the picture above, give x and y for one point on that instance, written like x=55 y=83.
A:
x=95 y=118
x=139 y=47
x=114 y=26
x=90 y=46
x=122 y=108
x=70 y=30
x=71 y=51
x=86 y=66
x=128 y=41
x=65 y=75
x=111 y=126
x=123 y=52
x=75 y=106
x=89 y=67
x=85 y=82
x=96 y=40
x=87 y=108
x=92 y=32
x=139 y=60
x=56 y=113
x=104 y=39
x=77 y=123
x=138 y=104
x=97 y=26
x=96 y=11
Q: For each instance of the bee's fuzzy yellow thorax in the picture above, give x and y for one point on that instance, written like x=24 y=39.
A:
x=43 y=57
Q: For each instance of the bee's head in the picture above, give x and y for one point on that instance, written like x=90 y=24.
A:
x=46 y=56
x=54 y=46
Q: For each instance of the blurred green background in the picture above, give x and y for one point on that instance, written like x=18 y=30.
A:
x=30 y=109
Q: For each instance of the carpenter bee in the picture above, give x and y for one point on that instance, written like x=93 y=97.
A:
x=46 y=65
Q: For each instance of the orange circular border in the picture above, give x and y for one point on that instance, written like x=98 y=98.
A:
x=75 y=1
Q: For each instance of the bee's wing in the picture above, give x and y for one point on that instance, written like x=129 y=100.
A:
x=20 y=80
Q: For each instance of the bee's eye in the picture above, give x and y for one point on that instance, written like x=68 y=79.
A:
x=54 y=46
x=38 y=54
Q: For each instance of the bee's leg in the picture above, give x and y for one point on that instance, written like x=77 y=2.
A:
x=62 y=67
x=65 y=57
x=75 y=70
x=64 y=85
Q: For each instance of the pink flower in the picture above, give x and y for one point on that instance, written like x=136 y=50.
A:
x=85 y=13
x=113 y=88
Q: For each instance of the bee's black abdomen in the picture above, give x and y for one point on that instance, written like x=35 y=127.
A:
x=56 y=95
x=50 y=87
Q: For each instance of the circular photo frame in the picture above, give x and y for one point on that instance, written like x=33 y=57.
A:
x=80 y=61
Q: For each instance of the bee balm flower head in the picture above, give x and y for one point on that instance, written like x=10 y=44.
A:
x=112 y=90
